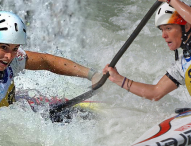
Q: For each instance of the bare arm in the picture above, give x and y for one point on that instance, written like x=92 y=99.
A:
x=58 y=65
x=151 y=92
x=183 y=9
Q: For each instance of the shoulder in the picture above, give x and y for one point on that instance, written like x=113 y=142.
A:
x=21 y=54
x=176 y=70
x=18 y=63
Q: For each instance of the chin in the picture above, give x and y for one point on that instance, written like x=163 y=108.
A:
x=173 y=48
x=2 y=69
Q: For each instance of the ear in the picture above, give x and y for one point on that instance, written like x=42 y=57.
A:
x=187 y=27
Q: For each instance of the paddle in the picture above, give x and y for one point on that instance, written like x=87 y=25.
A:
x=88 y=94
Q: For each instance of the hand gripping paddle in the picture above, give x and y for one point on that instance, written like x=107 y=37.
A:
x=88 y=94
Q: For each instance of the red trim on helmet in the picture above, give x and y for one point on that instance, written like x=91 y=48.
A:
x=176 y=19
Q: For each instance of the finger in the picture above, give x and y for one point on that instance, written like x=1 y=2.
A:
x=105 y=70
x=111 y=69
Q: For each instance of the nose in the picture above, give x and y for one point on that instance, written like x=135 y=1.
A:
x=8 y=55
x=164 y=34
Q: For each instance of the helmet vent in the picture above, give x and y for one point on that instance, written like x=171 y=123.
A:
x=170 y=12
x=159 y=11
x=4 y=28
x=3 y=20
x=24 y=30
x=16 y=28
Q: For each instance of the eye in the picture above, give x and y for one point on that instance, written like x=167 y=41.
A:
x=168 y=28
x=4 y=47
x=15 y=49
x=160 y=29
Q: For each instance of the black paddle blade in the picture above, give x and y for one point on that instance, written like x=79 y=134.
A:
x=90 y=93
x=61 y=106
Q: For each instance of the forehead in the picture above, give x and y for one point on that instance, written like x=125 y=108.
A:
x=169 y=25
x=10 y=45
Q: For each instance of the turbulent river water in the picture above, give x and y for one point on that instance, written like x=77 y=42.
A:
x=90 y=32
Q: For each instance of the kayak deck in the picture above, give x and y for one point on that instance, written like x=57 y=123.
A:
x=175 y=130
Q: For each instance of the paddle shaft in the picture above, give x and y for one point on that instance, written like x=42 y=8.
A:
x=90 y=93
x=129 y=41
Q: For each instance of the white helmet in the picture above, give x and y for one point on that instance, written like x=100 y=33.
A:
x=166 y=14
x=12 y=29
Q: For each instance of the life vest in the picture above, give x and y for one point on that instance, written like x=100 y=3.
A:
x=186 y=66
x=7 y=88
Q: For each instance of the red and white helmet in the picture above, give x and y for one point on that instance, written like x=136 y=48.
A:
x=12 y=29
x=166 y=14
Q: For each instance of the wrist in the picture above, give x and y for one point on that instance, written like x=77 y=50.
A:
x=124 y=80
x=91 y=73
x=118 y=80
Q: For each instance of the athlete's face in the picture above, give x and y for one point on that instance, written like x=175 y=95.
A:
x=172 y=34
x=7 y=54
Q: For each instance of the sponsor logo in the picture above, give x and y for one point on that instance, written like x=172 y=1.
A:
x=182 y=139
x=183 y=128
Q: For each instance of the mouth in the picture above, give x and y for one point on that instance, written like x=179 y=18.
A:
x=4 y=62
x=169 y=43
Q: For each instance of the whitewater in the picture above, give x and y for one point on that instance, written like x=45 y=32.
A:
x=90 y=32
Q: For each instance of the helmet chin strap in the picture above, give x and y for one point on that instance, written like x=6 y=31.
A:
x=176 y=54
x=186 y=42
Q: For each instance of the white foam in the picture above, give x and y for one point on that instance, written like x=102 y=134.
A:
x=90 y=33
